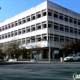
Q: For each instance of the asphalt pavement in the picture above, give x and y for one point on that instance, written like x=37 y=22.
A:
x=39 y=71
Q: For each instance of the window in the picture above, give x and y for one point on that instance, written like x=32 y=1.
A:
x=71 y=20
x=23 y=41
x=15 y=33
x=38 y=14
x=44 y=12
x=50 y=25
x=12 y=24
x=79 y=41
x=44 y=38
x=56 y=26
x=71 y=39
x=28 y=18
x=51 y=37
x=33 y=28
x=8 y=34
x=28 y=29
x=75 y=31
x=33 y=39
x=19 y=22
x=49 y=12
x=5 y=27
x=16 y=23
x=38 y=26
x=78 y=22
x=23 y=30
x=3 y=36
x=66 y=29
x=33 y=17
x=44 y=25
x=2 y=27
x=39 y=39
x=75 y=21
x=61 y=28
x=66 y=18
x=71 y=30
x=61 y=39
x=12 y=34
x=28 y=41
x=56 y=38
x=79 y=32
x=0 y=37
x=61 y=16
x=23 y=20
x=20 y=41
x=66 y=39
x=8 y=26
x=55 y=14
x=19 y=31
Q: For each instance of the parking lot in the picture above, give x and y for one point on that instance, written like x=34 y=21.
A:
x=39 y=71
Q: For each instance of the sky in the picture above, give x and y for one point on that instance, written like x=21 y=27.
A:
x=10 y=8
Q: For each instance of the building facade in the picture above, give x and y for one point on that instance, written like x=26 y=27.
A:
x=42 y=27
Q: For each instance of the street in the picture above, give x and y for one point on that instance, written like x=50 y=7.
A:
x=39 y=71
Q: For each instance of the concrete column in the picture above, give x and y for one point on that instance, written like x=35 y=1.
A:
x=58 y=15
x=63 y=53
x=41 y=25
x=53 y=57
x=25 y=40
x=31 y=54
x=21 y=41
x=41 y=54
x=21 y=31
x=41 y=14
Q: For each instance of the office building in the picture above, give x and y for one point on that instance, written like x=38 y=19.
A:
x=42 y=28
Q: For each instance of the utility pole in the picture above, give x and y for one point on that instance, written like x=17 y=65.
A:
x=49 y=54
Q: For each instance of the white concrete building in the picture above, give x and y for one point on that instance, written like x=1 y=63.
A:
x=37 y=23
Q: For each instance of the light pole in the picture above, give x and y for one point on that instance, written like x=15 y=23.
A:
x=49 y=46
x=49 y=55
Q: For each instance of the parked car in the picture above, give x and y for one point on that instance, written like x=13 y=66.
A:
x=72 y=57
x=12 y=60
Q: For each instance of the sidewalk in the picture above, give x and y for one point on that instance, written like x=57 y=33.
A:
x=27 y=62
x=40 y=61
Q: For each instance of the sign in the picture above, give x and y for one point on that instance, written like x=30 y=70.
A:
x=76 y=76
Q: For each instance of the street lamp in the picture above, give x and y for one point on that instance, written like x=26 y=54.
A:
x=49 y=55
x=49 y=46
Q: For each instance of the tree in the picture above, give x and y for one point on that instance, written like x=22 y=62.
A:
x=13 y=49
x=74 y=46
x=65 y=47
x=2 y=54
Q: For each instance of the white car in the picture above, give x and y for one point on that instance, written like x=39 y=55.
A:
x=12 y=60
x=72 y=57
